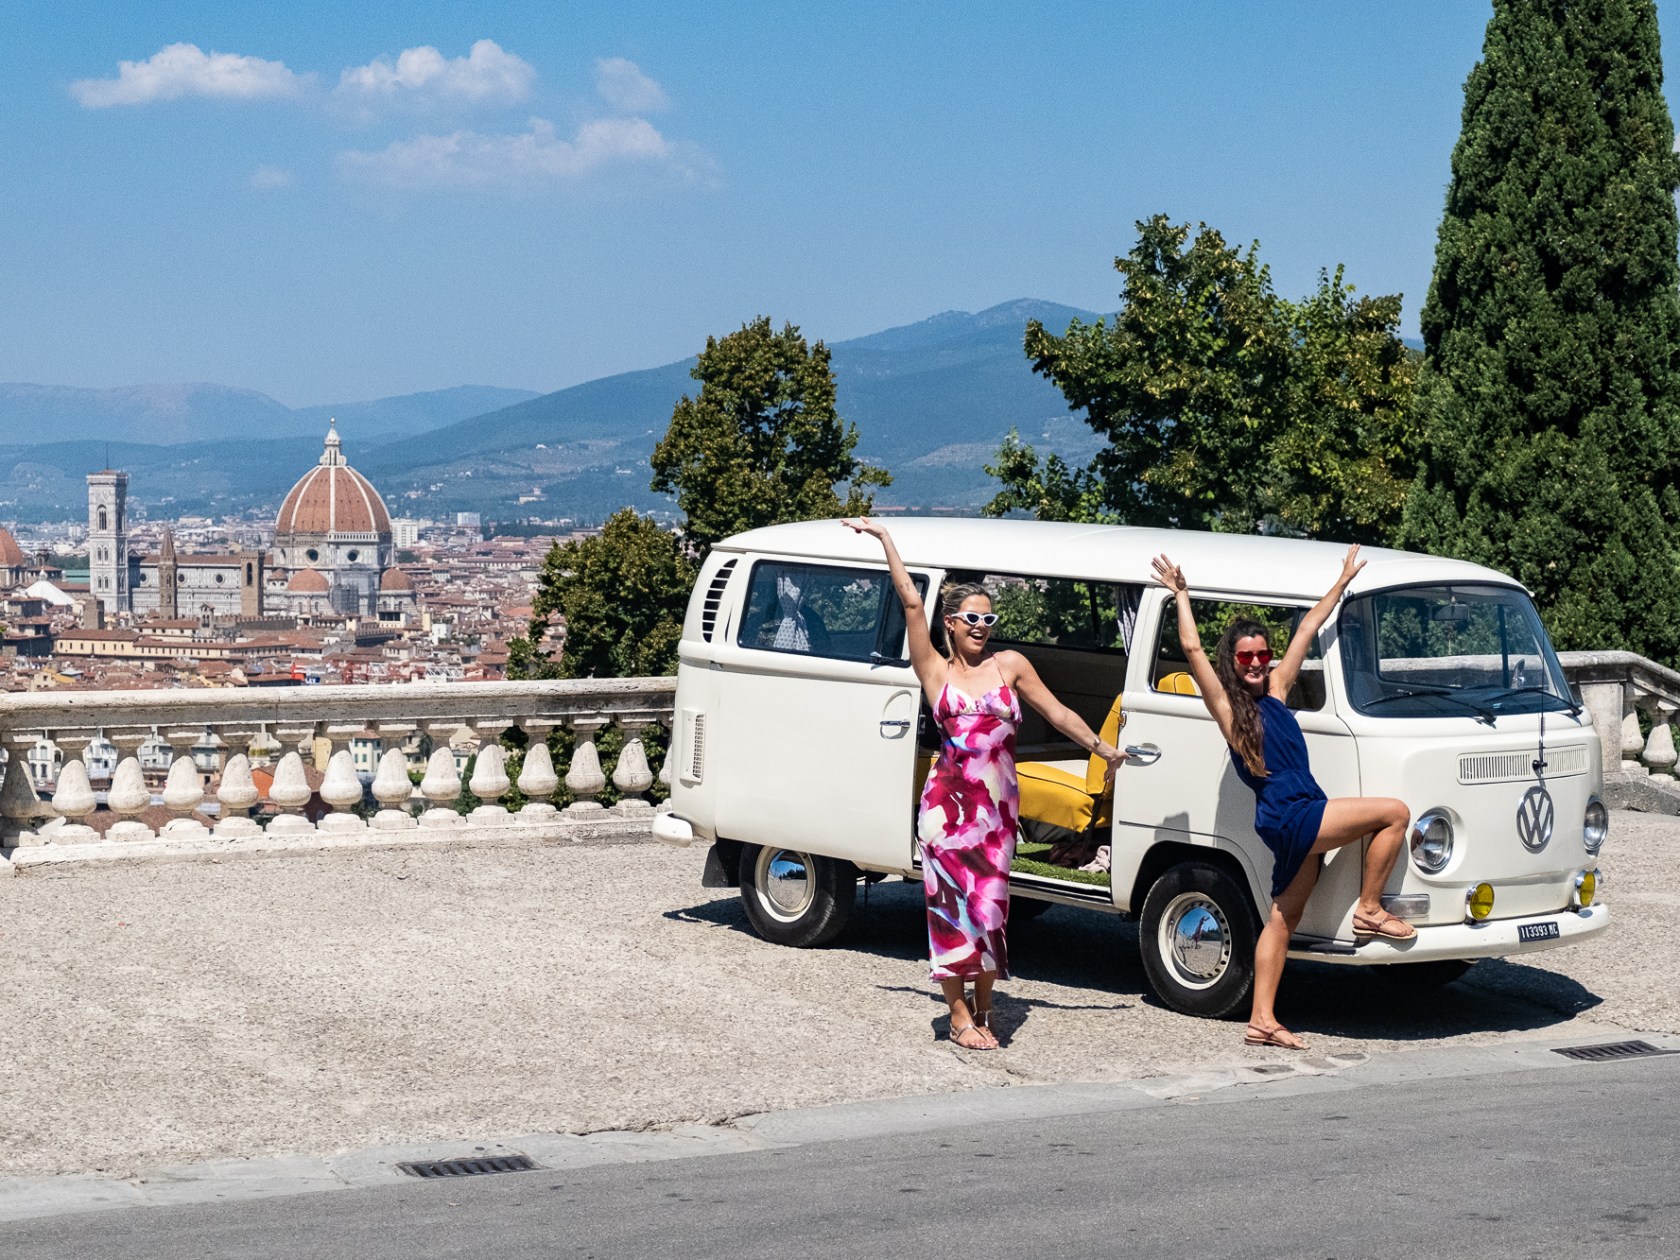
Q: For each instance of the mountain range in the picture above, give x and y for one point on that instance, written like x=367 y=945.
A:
x=931 y=400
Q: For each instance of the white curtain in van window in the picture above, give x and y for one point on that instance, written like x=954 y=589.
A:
x=1126 y=601
x=791 y=634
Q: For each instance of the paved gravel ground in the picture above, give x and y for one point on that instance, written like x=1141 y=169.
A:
x=175 y=1013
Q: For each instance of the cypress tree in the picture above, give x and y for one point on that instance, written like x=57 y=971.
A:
x=1552 y=327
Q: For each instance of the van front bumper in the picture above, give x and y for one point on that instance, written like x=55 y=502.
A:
x=1492 y=939
x=672 y=830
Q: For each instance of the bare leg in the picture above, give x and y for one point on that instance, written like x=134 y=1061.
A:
x=1273 y=946
x=1355 y=817
x=983 y=1003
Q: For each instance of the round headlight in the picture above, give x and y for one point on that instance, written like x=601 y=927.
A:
x=1595 y=826
x=1478 y=902
x=1432 y=842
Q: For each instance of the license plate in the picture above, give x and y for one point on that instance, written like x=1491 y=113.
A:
x=1547 y=931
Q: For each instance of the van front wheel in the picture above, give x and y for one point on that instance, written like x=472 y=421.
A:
x=795 y=898
x=1197 y=932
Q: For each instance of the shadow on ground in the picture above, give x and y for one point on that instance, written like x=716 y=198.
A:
x=1084 y=949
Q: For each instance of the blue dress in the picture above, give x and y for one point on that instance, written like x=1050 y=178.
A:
x=1288 y=803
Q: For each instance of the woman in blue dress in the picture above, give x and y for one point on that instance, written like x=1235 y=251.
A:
x=1245 y=693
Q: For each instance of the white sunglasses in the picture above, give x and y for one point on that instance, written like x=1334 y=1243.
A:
x=977 y=619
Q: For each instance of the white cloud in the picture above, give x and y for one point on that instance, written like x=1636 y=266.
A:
x=266 y=176
x=487 y=73
x=622 y=85
x=187 y=70
x=473 y=160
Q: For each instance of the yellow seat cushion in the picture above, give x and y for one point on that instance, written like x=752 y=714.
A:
x=1179 y=684
x=1053 y=795
x=1064 y=798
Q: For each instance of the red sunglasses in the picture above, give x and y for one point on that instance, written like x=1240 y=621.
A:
x=1263 y=656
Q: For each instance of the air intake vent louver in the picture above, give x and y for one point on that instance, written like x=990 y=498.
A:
x=697 y=748
x=1511 y=767
x=714 y=599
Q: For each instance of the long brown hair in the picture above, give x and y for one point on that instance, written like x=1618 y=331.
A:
x=1246 y=731
x=951 y=600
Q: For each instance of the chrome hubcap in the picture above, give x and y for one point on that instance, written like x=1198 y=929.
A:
x=784 y=882
x=1195 y=940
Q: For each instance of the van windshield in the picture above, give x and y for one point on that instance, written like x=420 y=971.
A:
x=1438 y=651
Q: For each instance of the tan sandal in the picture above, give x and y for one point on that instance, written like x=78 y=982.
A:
x=957 y=1034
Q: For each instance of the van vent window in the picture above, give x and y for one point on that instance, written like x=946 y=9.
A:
x=714 y=598
x=696 y=747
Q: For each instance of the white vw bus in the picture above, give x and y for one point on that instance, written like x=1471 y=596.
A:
x=801 y=741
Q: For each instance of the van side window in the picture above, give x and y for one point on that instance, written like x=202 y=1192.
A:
x=824 y=610
x=1172 y=670
x=1060 y=612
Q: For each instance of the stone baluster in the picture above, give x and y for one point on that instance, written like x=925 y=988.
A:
x=441 y=786
x=489 y=780
x=290 y=794
x=73 y=798
x=631 y=775
x=129 y=796
x=183 y=791
x=1659 y=754
x=537 y=780
x=20 y=807
x=1633 y=743
x=393 y=791
x=584 y=779
x=236 y=790
x=341 y=788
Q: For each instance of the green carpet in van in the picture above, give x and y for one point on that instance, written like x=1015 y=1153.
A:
x=1027 y=863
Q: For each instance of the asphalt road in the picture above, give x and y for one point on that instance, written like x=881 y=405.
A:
x=1567 y=1160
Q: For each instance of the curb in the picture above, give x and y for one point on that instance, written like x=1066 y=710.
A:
x=233 y=1180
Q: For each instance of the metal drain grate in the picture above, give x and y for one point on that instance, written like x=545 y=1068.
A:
x=1612 y=1050
x=468 y=1167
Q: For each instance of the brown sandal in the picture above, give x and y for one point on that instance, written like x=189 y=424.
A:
x=1388 y=926
x=1274 y=1036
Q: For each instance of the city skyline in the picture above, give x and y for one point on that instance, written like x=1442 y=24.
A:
x=325 y=205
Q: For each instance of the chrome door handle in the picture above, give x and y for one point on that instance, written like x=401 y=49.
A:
x=1143 y=754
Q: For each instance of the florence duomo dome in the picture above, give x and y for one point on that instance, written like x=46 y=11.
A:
x=334 y=524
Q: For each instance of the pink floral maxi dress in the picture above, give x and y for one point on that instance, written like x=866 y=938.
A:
x=966 y=826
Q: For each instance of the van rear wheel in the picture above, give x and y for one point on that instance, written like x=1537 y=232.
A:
x=795 y=898
x=1198 y=933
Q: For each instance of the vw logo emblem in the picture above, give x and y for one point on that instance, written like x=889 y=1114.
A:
x=1535 y=816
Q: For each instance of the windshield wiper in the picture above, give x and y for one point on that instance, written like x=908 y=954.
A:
x=1569 y=704
x=1482 y=715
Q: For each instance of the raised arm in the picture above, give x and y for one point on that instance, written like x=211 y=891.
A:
x=1288 y=669
x=1019 y=673
x=1190 y=639
x=924 y=657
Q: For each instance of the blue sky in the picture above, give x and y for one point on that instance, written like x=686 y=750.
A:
x=336 y=202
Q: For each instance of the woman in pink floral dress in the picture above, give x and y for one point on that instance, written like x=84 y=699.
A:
x=966 y=825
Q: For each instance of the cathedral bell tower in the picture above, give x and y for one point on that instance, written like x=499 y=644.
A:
x=108 y=541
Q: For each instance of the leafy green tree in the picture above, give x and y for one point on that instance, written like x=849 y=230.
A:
x=1184 y=384
x=621 y=594
x=762 y=442
x=1343 y=459
x=1224 y=406
x=1552 y=326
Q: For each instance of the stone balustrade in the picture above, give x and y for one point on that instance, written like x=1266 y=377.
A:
x=289 y=728
x=1617 y=687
